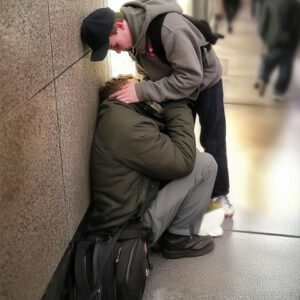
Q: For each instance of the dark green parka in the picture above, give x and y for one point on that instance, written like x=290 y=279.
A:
x=131 y=154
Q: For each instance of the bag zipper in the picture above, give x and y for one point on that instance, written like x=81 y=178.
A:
x=130 y=261
x=118 y=256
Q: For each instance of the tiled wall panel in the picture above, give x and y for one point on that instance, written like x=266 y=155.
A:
x=76 y=92
x=65 y=21
x=48 y=106
x=25 y=60
x=32 y=208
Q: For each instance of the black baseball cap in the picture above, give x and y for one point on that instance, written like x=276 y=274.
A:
x=95 y=31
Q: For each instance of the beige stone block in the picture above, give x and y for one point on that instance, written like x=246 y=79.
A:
x=240 y=90
x=224 y=63
x=239 y=45
x=32 y=207
x=65 y=22
x=264 y=166
x=244 y=66
x=260 y=128
x=25 y=60
x=77 y=94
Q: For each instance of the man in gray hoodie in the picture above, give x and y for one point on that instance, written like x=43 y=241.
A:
x=193 y=71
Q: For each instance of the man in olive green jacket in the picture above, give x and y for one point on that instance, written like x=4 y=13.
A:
x=133 y=154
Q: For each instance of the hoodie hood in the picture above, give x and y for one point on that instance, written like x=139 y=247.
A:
x=140 y=13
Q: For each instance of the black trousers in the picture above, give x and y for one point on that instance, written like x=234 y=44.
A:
x=281 y=57
x=231 y=8
x=210 y=109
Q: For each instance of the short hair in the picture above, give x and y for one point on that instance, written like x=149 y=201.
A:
x=119 y=17
x=149 y=108
x=113 y=85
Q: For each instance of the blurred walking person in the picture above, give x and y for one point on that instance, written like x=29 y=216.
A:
x=279 y=29
x=231 y=8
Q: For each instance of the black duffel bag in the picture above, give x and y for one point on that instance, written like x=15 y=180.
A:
x=112 y=267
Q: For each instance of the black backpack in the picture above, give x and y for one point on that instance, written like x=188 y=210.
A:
x=155 y=39
x=112 y=267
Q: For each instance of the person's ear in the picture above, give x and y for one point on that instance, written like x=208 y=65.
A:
x=120 y=25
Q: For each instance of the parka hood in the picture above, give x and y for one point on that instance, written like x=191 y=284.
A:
x=140 y=13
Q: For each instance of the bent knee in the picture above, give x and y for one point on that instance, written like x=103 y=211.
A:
x=205 y=163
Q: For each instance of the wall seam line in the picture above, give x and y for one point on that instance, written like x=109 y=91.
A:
x=58 y=128
x=17 y=107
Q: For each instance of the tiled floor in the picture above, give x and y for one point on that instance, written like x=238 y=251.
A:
x=258 y=257
x=242 y=266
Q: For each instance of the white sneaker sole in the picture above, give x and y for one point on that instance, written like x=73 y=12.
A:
x=211 y=223
x=216 y=232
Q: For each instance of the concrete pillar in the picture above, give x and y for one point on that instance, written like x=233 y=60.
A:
x=48 y=107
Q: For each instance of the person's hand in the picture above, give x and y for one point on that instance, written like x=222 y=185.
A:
x=127 y=94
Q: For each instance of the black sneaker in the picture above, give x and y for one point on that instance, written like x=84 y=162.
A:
x=179 y=246
x=158 y=246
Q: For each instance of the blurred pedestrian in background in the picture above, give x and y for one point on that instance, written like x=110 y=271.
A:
x=231 y=8
x=278 y=23
x=255 y=4
x=218 y=15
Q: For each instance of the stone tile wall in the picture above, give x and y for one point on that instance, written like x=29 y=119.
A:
x=47 y=116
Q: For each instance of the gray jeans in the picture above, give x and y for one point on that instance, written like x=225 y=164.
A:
x=179 y=206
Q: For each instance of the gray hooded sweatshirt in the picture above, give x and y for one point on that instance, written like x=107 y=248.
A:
x=189 y=72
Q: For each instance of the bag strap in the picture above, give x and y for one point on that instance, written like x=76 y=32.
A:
x=101 y=253
x=135 y=232
x=155 y=39
x=100 y=256
x=204 y=27
x=80 y=266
